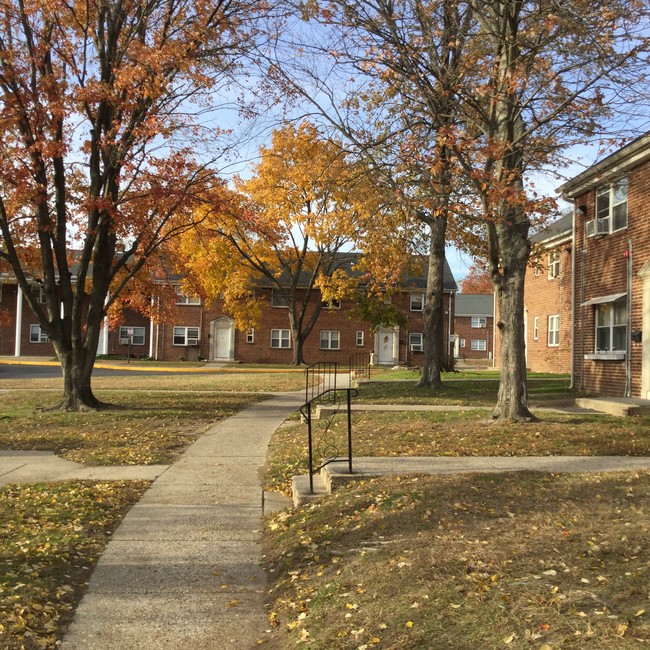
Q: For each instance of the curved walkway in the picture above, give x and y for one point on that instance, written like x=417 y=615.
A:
x=182 y=569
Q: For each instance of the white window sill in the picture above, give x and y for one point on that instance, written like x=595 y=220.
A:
x=608 y=356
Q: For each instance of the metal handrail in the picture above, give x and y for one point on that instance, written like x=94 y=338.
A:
x=320 y=377
x=360 y=366
x=329 y=398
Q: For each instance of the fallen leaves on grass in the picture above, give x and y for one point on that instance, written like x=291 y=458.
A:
x=523 y=560
x=51 y=536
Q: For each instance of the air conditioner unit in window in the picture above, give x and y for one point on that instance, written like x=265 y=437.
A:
x=124 y=341
x=415 y=348
x=590 y=228
x=192 y=341
x=602 y=226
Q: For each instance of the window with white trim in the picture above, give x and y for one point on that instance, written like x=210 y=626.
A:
x=611 y=207
x=186 y=335
x=554 y=264
x=554 y=330
x=479 y=321
x=417 y=301
x=279 y=299
x=250 y=335
x=334 y=303
x=39 y=294
x=37 y=335
x=185 y=299
x=478 y=344
x=611 y=326
x=280 y=339
x=536 y=328
x=416 y=342
x=330 y=340
x=360 y=338
x=136 y=334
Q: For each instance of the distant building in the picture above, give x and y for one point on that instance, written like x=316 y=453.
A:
x=547 y=294
x=474 y=326
x=198 y=329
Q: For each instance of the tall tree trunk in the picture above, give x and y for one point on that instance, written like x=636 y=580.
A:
x=514 y=247
x=77 y=367
x=433 y=315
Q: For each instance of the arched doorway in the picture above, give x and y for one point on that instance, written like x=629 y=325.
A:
x=222 y=334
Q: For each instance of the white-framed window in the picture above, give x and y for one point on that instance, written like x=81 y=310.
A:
x=136 y=334
x=250 y=335
x=478 y=344
x=536 y=328
x=330 y=340
x=462 y=343
x=611 y=207
x=611 y=326
x=536 y=270
x=334 y=303
x=280 y=339
x=37 y=335
x=479 y=321
x=360 y=338
x=279 y=300
x=416 y=343
x=554 y=264
x=417 y=301
x=186 y=335
x=39 y=294
x=183 y=298
x=554 y=330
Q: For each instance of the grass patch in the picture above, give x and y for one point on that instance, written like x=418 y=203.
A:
x=552 y=391
x=148 y=428
x=462 y=433
x=51 y=536
x=482 y=561
x=223 y=382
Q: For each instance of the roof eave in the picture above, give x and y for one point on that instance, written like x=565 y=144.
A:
x=621 y=161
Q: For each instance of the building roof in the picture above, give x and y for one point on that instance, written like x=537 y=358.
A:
x=470 y=304
x=559 y=230
x=605 y=171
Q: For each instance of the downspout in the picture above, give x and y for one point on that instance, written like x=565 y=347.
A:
x=583 y=252
x=449 y=355
x=573 y=294
x=19 y=321
x=151 y=329
x=628 y=338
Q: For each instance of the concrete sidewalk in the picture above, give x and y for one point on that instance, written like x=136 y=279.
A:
x=44 y=466
x=182 y=571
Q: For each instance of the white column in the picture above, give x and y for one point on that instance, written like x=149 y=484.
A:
x=151 y=329
x=19 y=320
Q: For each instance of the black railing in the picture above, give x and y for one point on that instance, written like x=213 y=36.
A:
x=360 y=366
x=328 y=446
x=319 y=378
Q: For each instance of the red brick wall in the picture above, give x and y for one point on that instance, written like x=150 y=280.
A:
x=546 y=297
x=260 y=351
x=464 y=330
x=602 y=270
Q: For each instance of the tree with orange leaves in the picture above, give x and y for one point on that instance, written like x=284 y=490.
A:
x=477 y=280
x=287 y=227
x=96 y=172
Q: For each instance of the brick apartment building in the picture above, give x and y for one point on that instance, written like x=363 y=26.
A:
x=611 y=281
x=548 y=298
x=474 y=326
x=205 y=331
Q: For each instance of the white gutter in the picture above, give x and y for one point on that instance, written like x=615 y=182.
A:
x=19 y=320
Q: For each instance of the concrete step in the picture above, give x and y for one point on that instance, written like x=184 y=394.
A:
x=301 y=492
x=621 y=407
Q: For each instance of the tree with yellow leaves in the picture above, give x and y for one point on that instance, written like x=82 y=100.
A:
x=289 y=227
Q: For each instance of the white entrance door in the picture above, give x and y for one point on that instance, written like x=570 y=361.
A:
x=386 y=346
x=223 y=336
